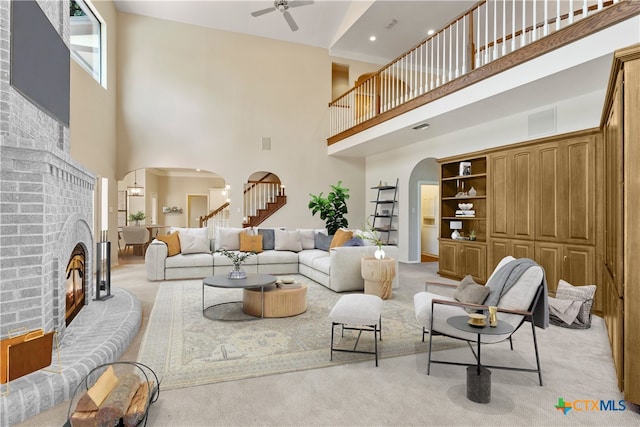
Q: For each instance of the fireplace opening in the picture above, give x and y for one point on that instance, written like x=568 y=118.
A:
x=75 y=283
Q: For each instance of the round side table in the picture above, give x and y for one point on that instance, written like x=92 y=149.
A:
x=378 y=275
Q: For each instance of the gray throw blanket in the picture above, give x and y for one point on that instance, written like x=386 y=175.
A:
x=507 y=276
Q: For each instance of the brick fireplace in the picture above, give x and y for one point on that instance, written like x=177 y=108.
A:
x=46 y=203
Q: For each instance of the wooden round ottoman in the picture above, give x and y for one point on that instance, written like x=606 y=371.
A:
x=277 y=302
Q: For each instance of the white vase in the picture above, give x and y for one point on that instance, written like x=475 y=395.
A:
x=379 y=253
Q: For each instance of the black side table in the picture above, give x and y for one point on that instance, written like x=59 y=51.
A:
x=479 y=377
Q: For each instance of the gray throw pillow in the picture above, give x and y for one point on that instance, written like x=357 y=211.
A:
x=322 y=241
x=354 y=241
x=578 y=293
x=469 y=291
x=268 y=238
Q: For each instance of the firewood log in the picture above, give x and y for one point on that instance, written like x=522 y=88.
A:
x=138 y=407
x=116 y=404
x=83 y=419
x=94 y=397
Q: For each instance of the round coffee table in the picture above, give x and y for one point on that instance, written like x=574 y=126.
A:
x=275 y=302
x=257 y=281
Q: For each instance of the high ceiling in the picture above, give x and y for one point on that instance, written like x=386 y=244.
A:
x=342 y=26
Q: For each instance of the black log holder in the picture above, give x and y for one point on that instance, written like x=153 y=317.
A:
x=103 y=269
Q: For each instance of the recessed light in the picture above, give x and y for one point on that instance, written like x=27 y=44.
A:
x=372 y=38
x=421 y=126
x=430 y=32
x=197 y=170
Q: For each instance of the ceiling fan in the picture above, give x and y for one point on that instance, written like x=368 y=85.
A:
x=283 y=6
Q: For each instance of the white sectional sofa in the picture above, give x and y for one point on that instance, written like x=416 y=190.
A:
x=337 y=268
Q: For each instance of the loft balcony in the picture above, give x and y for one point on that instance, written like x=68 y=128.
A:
x=491 y=38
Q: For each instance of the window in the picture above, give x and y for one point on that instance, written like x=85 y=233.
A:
x=86 y=38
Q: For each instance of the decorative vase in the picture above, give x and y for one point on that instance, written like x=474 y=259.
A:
x=472 y=192
x=379 y=253
x=455 y=235
x=237 y=273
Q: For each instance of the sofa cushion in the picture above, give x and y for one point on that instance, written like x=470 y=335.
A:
x=277 y=257
x=308 y=236
x=322 y=241
x=340 y=237
x=322 y=264
x=228 y=238
x=190 y=260
x=193 y=243
x=250 y=243
x=202 y=231
x=173 y=243
x=307 y=256
x=288 y=241
x=268 y=238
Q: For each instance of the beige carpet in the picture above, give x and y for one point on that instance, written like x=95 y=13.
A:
x=187 y=349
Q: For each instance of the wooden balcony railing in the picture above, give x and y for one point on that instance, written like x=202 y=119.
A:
x=490 y=31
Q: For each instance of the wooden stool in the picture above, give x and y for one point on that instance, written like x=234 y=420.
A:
x=378 y=275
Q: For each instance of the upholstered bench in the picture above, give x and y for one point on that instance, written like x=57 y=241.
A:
x=361 y=312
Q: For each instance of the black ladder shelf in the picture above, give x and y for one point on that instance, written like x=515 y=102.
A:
x=385 y=211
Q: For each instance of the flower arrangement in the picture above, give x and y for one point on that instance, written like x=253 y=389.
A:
x=137 y=217
x=369 y=233
x=236 y=257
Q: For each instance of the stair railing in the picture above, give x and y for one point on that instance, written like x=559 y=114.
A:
x=218 y=217
x=258 y=194
x=491 y=30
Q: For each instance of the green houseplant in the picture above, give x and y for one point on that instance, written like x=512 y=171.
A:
x=137 y=217
x=332 y=208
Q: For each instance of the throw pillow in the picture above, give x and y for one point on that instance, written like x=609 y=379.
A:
x=354 y=241
x=322 y=241
x=228 y=238
x=308 y=237
x=193 y=243
x=193 y=231
x=173 y=243
x=468 y=291
x=341 y=237
x=578 y=293
x=250 y=243
x=288 y=241
x=268 y=238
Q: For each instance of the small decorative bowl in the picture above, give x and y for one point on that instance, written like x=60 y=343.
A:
x=477 y=319
x=465 y=206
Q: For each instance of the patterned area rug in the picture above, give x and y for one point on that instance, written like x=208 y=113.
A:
x=186 y=349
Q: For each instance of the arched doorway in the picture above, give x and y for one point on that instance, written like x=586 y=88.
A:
x=424 y=215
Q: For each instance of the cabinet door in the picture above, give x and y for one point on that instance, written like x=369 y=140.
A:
x=523 y=195
x=549 y=256
x=501 y=205
x=580 y=191
x=550 y=187
x=579 y=265
x=523 y=249
x=498 y=249
x=448 y=263
x=473 y=261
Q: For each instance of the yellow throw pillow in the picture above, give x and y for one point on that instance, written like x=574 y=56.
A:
x=340 y=238
x=173 y=243
x=250 y=243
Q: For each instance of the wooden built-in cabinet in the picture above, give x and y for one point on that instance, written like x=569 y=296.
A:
x=573 y=263
x=620 y=273
x=468 y=254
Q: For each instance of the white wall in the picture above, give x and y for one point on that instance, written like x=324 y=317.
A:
x=193 y=97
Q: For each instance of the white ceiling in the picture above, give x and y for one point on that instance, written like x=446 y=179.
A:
x=342 y=26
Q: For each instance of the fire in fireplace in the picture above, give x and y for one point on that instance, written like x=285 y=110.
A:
x=75 y=283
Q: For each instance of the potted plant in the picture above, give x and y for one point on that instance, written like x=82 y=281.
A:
x=237 y=258
x=333 y=208
x=137 y=217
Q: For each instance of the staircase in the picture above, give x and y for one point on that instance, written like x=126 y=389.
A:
x=218 y=217
x=262 y=198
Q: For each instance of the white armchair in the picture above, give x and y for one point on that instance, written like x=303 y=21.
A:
x=524 y=300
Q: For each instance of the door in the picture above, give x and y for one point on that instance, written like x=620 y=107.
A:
x=580 y=200
x=473 y=261
x=429 y=220
x=549 y=192
x=549 y=256
x=448 y=261
x=197 y=205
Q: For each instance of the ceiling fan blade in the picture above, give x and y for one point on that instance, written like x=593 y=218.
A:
x=263 y=11
x=297 y=3
x=290 y=21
